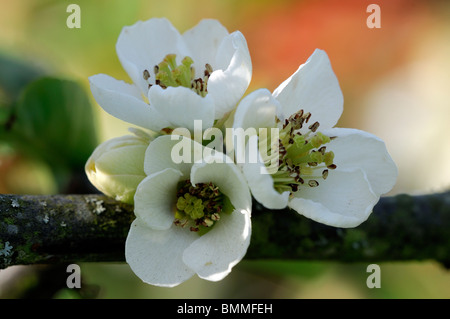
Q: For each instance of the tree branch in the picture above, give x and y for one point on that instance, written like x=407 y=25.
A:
x=75 y=228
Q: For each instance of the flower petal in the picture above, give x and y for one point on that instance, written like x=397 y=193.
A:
x=256 y=110
x=155 y=199
x=182 y=106
x=129 y=165
x=213 y=255
x=123 y=101
x=126 y=142
x=120 y=187
x=344 y=199
x=162 y=153
x=261 y=182
x=203 y=41
x=313 y=88
x=155 y=256
x=232 y=73
x=355 y=149
x=145 y=44
x=226 y=176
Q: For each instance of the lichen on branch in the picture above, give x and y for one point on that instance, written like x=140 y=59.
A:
x=74 y=228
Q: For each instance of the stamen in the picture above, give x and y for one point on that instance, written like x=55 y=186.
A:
x=146 y=75
x=314 y=127
x=168 y=73
x=200 y=206
x=301 y=157
x=313 y=183
x=208 y=69
x=307 y=116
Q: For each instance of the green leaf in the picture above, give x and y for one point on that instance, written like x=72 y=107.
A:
x=15 y=74
x=53 y=121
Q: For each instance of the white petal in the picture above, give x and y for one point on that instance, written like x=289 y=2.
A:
x=344 y=199
x=181 y=106
x=145 y=44
x=313 y=88
x=261 y=183
x=124 y=101
x=227 y=177
x=232 y=73
x=155 y=256
x=155 y=199
x=213 y=255
x=126 y=160
x=158 y=155
x=122 y=142
x=203 y=41
x=355 y=149
x=120 y=187
x=256 y=110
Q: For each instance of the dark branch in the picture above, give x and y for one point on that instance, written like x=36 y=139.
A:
x=75 y=228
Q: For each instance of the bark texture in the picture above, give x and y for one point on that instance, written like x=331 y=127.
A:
x=74 y=228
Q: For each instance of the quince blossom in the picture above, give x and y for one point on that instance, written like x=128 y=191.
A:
x=116 y=166
x=191 y=218
x=177 y=78
x=332 y=175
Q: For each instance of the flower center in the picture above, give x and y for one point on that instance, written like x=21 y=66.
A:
x=168 y=73
x=303 y=158
x=200 y=207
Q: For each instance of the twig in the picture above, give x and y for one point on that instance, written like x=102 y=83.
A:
x=74 y=228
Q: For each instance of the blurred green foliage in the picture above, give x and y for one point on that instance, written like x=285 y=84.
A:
x=46 y=119
x=53 y=120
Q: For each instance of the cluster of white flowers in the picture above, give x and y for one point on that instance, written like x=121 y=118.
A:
x=194 y=217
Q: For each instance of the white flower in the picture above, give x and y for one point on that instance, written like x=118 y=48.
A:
x=199 y=75
x=332 y=175
x=191 y=218
x=116 y=167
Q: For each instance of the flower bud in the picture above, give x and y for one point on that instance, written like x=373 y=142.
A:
x=116 y=167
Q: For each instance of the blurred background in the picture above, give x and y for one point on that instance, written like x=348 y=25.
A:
x=395 y=82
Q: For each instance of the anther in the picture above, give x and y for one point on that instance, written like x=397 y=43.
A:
x=307 y=116
x=332 y=166
x=314 y=127
x=146 y=75
x=322 y=150
x=208 y=69
x=313 y=183
x=325 y=174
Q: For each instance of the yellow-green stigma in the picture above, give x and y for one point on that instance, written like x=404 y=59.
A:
x=303 y=158
x=199 y=207
x=168 y=73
